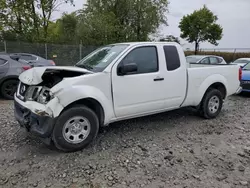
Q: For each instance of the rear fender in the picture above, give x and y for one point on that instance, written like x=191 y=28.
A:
x=217 y=78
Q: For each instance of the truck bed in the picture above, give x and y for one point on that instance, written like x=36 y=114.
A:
x=199 y=75
x=195 y=65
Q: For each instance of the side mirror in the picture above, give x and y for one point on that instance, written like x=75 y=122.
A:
x=128 y=68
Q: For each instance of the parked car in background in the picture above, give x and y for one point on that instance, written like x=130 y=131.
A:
x=241 y=61
x=245 y=81
x=205 y=59
x=67 y=105
x=34 y=59
x=11 y=66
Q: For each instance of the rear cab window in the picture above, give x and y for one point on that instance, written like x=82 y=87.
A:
x=172 y=58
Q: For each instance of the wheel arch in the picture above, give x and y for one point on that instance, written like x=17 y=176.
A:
x=216 y=81
x=91 y=103
x=219 y=86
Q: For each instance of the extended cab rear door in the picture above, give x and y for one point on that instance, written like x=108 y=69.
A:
x=175 y=75
x=142 y=91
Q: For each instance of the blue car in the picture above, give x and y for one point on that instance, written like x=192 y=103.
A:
x=245 y=80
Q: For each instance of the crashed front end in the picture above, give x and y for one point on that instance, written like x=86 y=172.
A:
x=35 y=104
x=32 y=110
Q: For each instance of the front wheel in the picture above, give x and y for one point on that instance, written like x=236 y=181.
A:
x=211 y=104
x=75 y=129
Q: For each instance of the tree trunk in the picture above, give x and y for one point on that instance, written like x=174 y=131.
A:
x=34 y=17
x=196 y=47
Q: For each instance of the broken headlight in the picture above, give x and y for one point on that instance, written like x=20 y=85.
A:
x=39 y=94
x=44 y=96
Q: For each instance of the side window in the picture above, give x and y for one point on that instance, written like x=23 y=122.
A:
x=146 y=59
x=32 y=57
x=172 y=58
x=2 y=62
x=220 y=60
x=26 y=57
x=205 y=61
x=213 y=60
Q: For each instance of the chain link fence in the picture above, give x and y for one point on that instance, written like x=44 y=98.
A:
x=71 y=54
x=60 y=54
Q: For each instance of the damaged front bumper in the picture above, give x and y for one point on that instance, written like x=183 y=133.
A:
x=37 y=123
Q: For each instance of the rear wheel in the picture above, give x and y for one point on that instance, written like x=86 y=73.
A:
x=8 y=89
x=75 y=129
x=211 y=104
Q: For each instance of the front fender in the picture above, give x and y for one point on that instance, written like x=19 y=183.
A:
x=217 y=78
x=74 y=93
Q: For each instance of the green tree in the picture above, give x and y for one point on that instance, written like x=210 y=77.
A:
x=64 y=30
x=170 y=38
x=23 y=19
x=47 y=7
x=15 y=19
x=132 y=20
x=201 y=26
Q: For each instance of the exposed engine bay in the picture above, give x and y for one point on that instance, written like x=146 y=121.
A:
x=52 y=77
x=48 y=79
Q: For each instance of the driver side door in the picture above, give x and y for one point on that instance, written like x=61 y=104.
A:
x=142 y=91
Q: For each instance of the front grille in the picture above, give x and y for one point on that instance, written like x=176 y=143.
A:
x=23 y=89
x=30 y=93
x=245 y=84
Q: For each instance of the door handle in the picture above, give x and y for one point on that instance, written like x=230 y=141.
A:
x=158 y=79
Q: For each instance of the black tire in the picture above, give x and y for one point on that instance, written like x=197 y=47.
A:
x=204 y=107
x=8 y=89
x=57 y=136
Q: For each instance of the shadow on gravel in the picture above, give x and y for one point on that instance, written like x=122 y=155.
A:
x=245 y=94
x=154 y=122
x=117 y=134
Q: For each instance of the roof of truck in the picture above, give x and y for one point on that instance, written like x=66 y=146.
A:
x=134 y=43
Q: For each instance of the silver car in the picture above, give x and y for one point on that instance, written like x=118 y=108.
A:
x=11 y=66
x=241 y=61
x=34 y=59
x=205 y=59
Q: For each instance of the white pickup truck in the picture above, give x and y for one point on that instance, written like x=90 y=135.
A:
x=67 y=105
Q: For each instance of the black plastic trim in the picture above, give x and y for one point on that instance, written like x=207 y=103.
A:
x=39 y=125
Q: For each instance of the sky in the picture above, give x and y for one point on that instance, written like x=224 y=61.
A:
x=233 y=16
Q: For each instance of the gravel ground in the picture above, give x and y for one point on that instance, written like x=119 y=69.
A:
x=174 y=149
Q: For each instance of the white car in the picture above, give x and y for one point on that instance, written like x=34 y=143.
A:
x=67 y=105
x=241 y=61
x=205 y=59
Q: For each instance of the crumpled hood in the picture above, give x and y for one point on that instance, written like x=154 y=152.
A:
x=245 y=74
x=34 y=75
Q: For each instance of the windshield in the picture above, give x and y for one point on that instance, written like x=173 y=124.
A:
x=193 y=59
x=241 y=61
x=246 y=67
x=99 y=59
